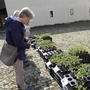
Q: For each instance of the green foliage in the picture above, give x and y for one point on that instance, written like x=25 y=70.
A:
x=39 y=40
x=45 y=43
x=55 y=58
x=65 y=59
x=82 y=71
x=36 y=36
x=74 y=65
x=72 y=61
x=77 y=50
x=80 y=87
x=45 y=35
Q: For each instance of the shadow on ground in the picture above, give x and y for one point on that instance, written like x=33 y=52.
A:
x=2 y=33
x=62 y=28
x=33 y=78
x=2 y=36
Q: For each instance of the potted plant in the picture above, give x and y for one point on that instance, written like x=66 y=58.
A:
x=45 y=43
x=65 y=60
x=80 y=51
x=81 y=76
x=36 y=36
x=46 y=36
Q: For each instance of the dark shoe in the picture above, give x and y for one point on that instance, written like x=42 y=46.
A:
x=19 y=88
x=28 y=88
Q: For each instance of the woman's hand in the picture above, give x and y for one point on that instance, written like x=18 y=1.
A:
x=29 y=41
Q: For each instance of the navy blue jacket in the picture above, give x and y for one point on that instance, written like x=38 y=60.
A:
x=15 y=36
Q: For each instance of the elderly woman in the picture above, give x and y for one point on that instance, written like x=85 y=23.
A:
x=15 y=37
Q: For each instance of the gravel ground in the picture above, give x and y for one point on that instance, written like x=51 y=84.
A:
x=65 y=36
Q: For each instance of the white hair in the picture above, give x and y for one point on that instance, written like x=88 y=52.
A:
x=26 y=11
x=16 y=13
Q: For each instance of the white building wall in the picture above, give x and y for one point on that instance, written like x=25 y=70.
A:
x=60 y=8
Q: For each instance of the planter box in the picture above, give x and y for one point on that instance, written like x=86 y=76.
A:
x=34 y=45
x=64 y=80
x=49 y=67
x=47 y=55
x=62 y=76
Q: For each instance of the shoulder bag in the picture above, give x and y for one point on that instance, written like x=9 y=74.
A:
x=8 y=54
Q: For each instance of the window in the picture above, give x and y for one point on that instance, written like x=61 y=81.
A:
x=71 y=11
x=51 y=13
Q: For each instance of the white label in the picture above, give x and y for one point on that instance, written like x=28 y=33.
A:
x=48 y=63
x=49 y=53
x=32 y=44
x=55 y=51
x=52 y=52
x=40 y=50
x=38 y=47
x=64 y=81
x=44 y=54
x=56 y=69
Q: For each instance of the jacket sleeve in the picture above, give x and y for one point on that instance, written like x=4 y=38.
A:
x=18 y=37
